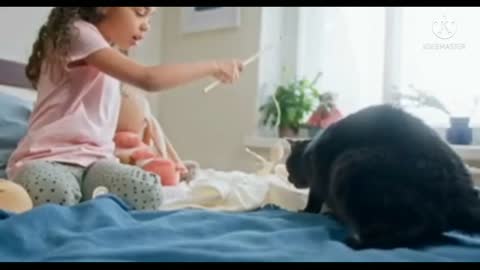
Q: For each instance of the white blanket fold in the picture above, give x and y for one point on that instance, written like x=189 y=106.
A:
x=233 y=191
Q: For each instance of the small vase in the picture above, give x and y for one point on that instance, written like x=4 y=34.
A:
x=459 y=131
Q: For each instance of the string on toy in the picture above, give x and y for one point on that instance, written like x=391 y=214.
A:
x=277 y=149
x=162 y=145
x=279 y=114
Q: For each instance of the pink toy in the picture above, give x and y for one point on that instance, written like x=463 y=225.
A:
x=132 y=150
x=323 y=118
x=141 y=142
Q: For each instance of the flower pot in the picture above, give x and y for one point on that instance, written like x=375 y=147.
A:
x=459 y=131
x=286 y=132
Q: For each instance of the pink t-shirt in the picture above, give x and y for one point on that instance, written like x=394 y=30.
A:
x=75 y=118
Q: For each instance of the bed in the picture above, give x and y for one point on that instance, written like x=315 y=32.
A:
x=106 y=229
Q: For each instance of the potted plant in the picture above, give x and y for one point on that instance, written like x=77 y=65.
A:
x=326 y=114
x=294 y=101
x=459 y=131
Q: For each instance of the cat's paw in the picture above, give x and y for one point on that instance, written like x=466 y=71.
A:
x=312 y=210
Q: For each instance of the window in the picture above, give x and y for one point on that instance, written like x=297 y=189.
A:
x=347 y=46
x=367 y=52
x=440 y=53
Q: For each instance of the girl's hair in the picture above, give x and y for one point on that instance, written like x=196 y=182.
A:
x=55 y=36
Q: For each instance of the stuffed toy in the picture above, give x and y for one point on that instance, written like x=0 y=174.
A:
x=13 y=197
x=274 y=165
x=140 y=141
x=326 y=113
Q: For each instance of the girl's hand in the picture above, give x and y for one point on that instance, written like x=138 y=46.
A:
x=228 y=71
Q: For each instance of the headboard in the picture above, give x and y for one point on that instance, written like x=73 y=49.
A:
x=13 y=74
x=13 y=80
x=16 y=103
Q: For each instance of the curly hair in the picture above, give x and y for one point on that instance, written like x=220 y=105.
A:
x=55 y=36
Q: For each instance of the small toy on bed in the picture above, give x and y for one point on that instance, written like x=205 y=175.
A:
x=13 y=197
x=277 y=153
x=140 y=141
x=273 y=165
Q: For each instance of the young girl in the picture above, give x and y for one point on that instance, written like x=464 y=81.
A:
x=68 y=150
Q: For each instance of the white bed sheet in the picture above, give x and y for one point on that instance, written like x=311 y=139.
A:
x=233 y=191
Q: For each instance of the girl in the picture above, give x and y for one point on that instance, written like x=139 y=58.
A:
x=68 y=150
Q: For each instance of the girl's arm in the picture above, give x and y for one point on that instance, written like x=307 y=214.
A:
x=160 y=77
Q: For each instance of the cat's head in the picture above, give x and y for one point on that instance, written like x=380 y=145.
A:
x=295 y=164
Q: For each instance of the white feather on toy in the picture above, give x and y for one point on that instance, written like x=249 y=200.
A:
x=277 y=152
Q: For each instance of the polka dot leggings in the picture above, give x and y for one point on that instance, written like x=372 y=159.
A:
x=50 y=182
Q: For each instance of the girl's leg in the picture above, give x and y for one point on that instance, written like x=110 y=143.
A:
x=48 y=182
x=141 y=189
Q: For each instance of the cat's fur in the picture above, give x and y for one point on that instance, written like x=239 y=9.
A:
x=388 y=177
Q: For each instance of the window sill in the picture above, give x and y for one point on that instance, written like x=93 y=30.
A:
x=466 y=152
x=469 y=153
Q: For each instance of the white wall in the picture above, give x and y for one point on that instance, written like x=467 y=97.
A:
x=211 y=128
x=355 y=50
x=277 y=65
x=18 y=28
x=151 y=49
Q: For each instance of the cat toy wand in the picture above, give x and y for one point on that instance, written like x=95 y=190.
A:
x=245 y=63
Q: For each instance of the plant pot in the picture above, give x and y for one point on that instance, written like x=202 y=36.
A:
x=459 y=131
x=286 y=132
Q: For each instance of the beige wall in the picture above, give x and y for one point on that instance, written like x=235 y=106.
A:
x=19 y=28
x=211 y=128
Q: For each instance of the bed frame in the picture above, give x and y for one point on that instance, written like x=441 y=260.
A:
x=13 y=74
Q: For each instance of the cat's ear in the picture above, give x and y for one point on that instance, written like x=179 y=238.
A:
x=291 y=142
x=295 y=142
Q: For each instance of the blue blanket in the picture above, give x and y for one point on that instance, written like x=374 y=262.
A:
x=105 y=229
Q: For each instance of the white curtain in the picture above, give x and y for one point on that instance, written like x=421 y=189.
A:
x=431 y=48
x=347 y=45
x=440 y=53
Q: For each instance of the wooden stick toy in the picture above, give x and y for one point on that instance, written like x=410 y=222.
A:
x=245 y=63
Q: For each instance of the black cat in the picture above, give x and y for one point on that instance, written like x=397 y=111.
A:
x=388 y=177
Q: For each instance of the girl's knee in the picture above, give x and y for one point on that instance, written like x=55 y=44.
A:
x=30 y=171
x=143 y=190
x=54 y=192
x=147 y=197
x=44 y=184
x=139 y=188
